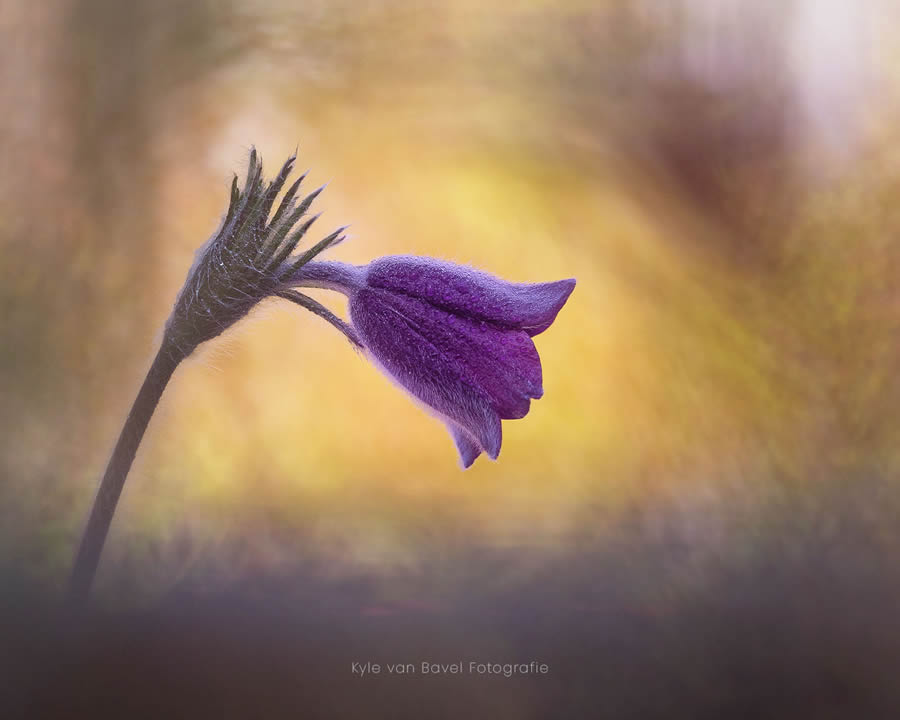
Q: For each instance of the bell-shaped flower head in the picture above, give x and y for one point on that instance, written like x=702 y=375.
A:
x=457 y=339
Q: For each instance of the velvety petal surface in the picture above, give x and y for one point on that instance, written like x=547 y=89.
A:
x=457 y=339
x=399 y=333
x=471 y=293
x=469 y=450
x=503 y=364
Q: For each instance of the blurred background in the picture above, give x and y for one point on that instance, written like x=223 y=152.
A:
x=700 y=516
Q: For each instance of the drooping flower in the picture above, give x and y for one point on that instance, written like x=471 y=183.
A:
x=457 y=339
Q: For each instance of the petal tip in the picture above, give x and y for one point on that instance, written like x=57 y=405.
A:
x=565 y=288
x=467 y=447
x=492 y=437
x=554 y=297
x=465 y=462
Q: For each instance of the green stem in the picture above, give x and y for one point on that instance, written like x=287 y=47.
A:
x=88 y=557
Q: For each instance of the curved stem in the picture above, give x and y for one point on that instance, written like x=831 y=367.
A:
x=88 y=556
x=327 y=274
x=324 y=313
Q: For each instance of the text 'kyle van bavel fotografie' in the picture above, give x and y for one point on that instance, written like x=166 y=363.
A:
x=472 y=667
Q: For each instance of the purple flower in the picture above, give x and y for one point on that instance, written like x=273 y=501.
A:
x=457 y=339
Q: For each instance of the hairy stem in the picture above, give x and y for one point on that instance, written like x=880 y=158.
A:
x=88 y=557
x=327 y=274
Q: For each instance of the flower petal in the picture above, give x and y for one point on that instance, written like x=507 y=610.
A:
x=502 y=363
x=396 y=341
x=467 y=292
x=469 y=450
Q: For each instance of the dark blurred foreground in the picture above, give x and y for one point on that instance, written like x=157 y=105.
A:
x=803 y=624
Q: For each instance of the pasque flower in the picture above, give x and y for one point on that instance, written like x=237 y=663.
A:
x=457 y=339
